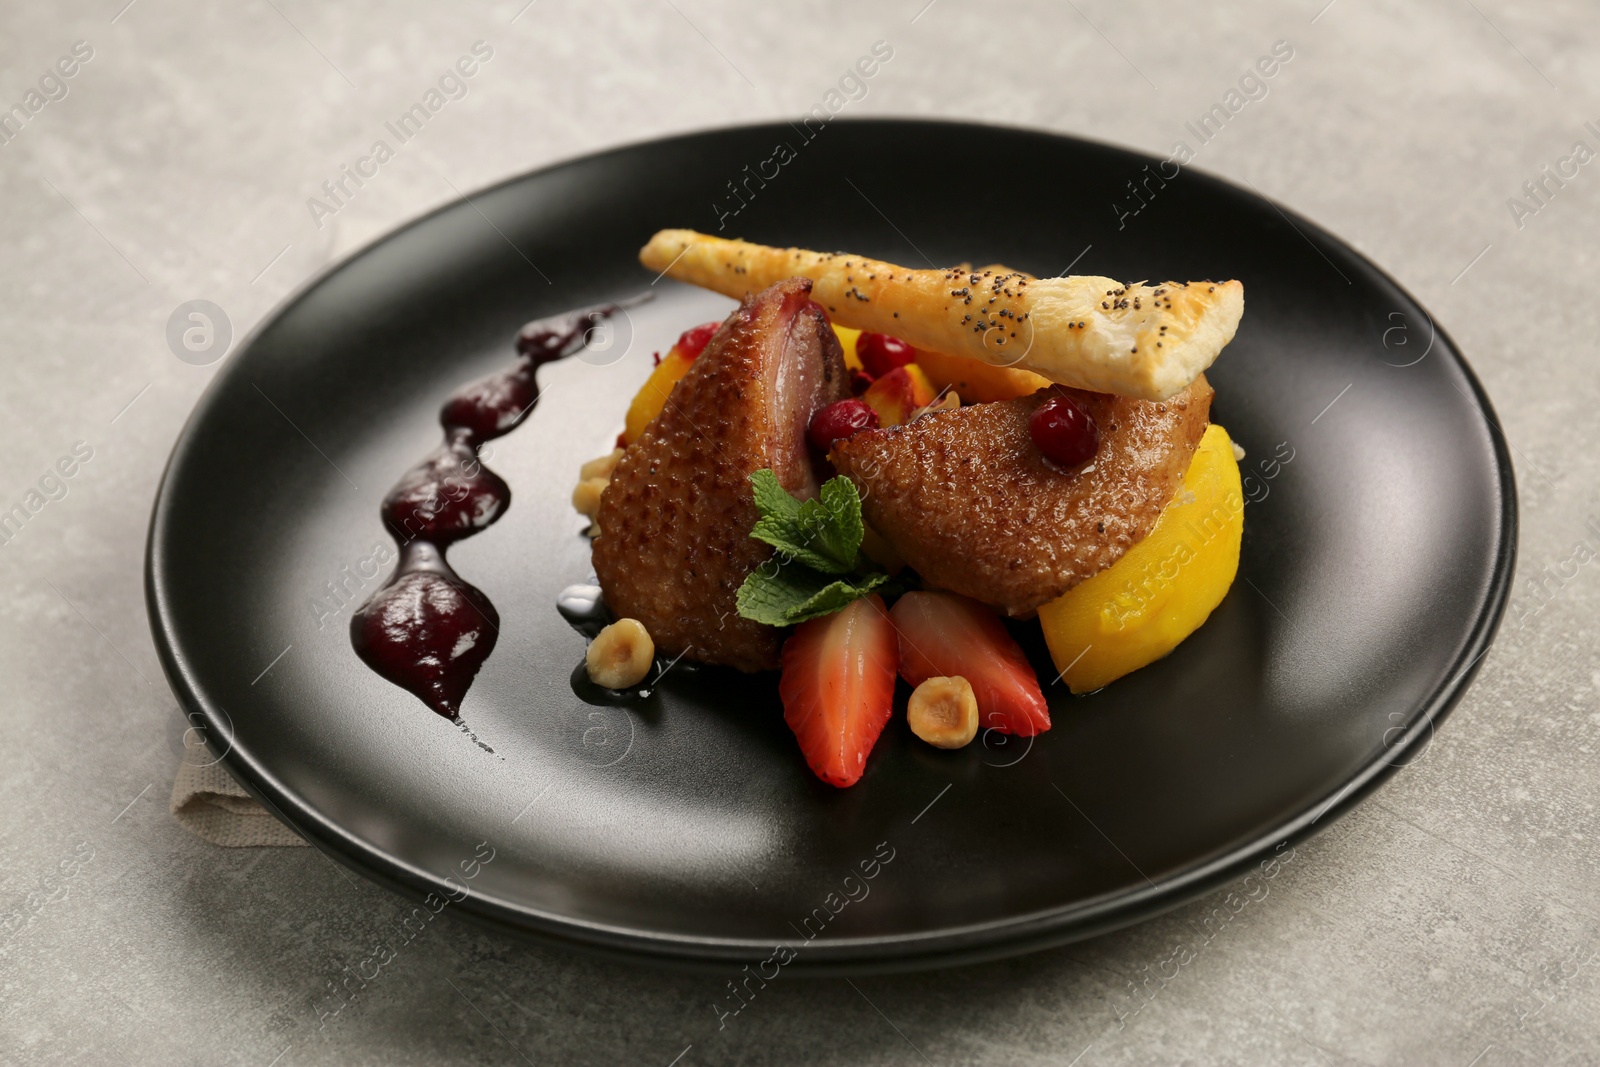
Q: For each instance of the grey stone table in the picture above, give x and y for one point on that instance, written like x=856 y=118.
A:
x=1452 y=919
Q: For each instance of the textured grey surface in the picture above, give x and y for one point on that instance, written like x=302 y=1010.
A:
x=1451 y=919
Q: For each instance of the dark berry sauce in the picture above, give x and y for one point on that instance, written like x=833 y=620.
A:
x=427 y=630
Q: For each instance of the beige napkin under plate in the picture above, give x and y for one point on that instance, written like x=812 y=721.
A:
x=207 y=802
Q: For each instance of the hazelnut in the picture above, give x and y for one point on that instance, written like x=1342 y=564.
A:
x=586 y=497
x=620 y=655
x=601 y=467
x=943 y=712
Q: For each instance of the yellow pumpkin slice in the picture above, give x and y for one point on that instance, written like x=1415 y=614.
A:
x=1161 y=590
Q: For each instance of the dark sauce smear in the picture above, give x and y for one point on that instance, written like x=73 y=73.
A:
x=427 y=630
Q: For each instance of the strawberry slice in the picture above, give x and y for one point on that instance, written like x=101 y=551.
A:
x=942 y=634
x=838 y=687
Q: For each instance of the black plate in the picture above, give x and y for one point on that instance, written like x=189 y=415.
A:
x=1377 y=554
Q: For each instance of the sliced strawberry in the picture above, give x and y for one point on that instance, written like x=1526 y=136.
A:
x=942 y=634
x=838 y=687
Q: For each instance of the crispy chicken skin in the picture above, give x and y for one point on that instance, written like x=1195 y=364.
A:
x=971 y=504
x=677 y=514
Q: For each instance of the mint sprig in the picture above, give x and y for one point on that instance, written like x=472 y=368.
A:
x=818 y=567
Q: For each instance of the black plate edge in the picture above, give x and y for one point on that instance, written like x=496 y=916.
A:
x=891 y=953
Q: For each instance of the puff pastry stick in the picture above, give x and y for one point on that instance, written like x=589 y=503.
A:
x=1137 y=340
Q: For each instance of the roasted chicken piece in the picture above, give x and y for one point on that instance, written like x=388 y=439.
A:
x=972 y=505
x=675 y=519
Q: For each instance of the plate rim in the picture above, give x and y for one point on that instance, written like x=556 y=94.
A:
x=944 y=946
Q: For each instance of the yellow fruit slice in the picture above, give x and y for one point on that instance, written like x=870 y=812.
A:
x=899 y=395
x=847 y=341
x=1162 y=589
x=652 y=396
x=978 y=383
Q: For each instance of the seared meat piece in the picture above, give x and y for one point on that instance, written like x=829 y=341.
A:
x=969 y=502
x=675 y=521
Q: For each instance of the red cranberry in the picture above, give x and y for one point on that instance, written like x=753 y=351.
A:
x=859 y=381
x=694 y=341
x=880 y=353
x=842 y=418
x=1064 y=432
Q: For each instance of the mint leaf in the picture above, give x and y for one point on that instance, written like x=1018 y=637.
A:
x=792 y=593
x=824 y=534
x=835 y=596
x=836 y=513
x=818 y=567
x=796 y=543
x=772 y=500
x=770 y=591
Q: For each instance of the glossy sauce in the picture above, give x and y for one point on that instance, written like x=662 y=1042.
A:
x=427 y=630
